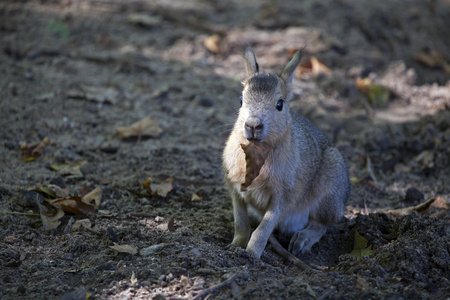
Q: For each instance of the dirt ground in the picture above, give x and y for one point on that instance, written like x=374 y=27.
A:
x=75 y=71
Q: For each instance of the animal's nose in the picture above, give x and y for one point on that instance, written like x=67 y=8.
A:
x=253 y=128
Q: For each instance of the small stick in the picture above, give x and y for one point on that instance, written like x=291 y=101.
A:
x=19 y=213
x=370 y=171
x=287 y=255
x=216 y=287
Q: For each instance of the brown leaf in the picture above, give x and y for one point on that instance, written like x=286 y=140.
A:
x=94 y=196
x=95 y=94
x=133 y=279
x=171 y=224
x=212 y=43
x=69 y=169
x=72 y=204
x=49 y=215
x=124 y=248
x=440 y=202
x=314 y=67
x=378 y=95
x=51 y=190
x=79 y=224
x=147 y=182
x=39 y=150
x=145 y=127
x=144 y=20
x=433 y=59
x=255 y=156
x=196 y=198
x=363 y=84
x=33 y=151
x=163 y=188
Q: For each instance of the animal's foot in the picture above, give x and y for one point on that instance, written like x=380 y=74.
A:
x=240 y=241
x=303 y=240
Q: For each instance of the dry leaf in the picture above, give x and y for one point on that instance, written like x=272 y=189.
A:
x=133 y=279
x=212 y=43
x=69 y=169
x=171 y=224
x=49 y=215
x=311 y=291
x=255 y=156
x=79 y=224
x=72 y=204
x=124 y=248
x=144 y=20
x=433 y=59
x=440 y=202
x=50 y=219
x=185 y=281
x=163 y=188
x=363 y=84
x=314 y=67
x=94 y=196
x=39 y=150
x=196 y=198
x=95 y=94
x=145 y=127
x=147 y=182
x=378 y=95
x=51 y=190
x=33 y=151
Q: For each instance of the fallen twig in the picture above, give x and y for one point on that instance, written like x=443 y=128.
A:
x=420 y=208
x=287 y=255
x=370 y=171
x=18 y=213
x=216 y=287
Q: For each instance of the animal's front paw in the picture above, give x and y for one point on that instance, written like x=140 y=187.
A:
x=302 y=241
x=240 y=241
x=255 y=249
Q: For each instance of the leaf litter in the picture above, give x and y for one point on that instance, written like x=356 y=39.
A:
x=69 y=169
x=377 y=94
x=158 y=189
x=108 y=95
x=54 y=202
x=360 y=248
x=35 y=150
x=125 y=248
x=147 y=127
x=312 y=67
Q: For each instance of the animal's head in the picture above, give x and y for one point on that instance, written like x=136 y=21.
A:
x=264 y=112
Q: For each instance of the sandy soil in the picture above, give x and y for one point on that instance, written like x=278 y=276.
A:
x=75 y=71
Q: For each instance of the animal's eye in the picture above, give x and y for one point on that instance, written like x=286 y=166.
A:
x=279 y=106
x=241 y=101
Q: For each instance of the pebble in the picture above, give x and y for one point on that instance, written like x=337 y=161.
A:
x=413 y=195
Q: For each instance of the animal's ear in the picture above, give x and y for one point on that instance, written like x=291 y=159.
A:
x=288 y=72
x=251 y=66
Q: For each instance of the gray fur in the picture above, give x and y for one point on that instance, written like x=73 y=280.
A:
x=304 y=182
x=251 y=66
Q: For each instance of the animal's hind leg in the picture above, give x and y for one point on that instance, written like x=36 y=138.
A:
x=303 y=240
x=331 y=190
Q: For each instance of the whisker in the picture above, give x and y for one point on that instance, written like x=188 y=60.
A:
x=225 y=131
x=223 y=125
